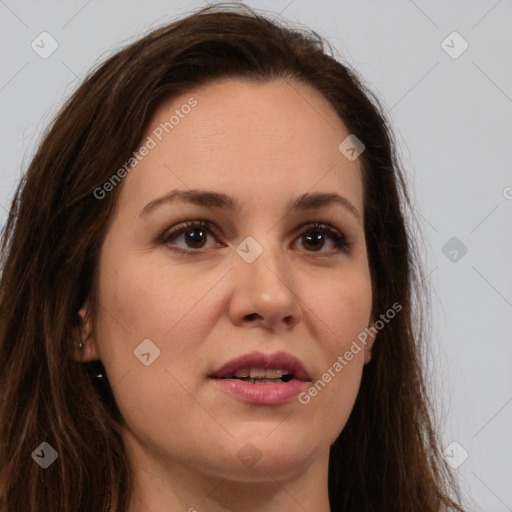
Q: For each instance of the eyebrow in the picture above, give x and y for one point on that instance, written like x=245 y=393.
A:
x=210 y=199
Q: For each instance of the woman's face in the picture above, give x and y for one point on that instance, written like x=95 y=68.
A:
x=255 y=280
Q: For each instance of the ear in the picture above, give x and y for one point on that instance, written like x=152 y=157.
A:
x=85 y=347
x=369 y=342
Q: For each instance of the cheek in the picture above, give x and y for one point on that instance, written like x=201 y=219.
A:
x=142 y=299
x=342 y=313
x=152 y=300
x=149 y=303
x=343 y=309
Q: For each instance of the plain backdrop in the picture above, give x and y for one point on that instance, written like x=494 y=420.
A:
x=451 y=110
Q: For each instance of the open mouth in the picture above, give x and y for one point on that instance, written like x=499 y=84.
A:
x=264 y=379
x=261 y=375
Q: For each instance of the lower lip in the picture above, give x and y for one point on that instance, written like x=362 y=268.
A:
x=266 y=394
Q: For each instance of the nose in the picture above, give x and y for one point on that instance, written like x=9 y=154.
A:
x=264 y=294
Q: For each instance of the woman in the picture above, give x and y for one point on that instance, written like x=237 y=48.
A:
x=207 y=289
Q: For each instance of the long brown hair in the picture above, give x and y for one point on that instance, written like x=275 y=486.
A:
x=386 y=458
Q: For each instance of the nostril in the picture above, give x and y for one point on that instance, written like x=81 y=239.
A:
x=254 y=316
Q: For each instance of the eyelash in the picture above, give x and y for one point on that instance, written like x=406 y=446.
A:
x=340 y=242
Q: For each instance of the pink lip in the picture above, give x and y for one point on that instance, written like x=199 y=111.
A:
x=268 y=394
x=260 y=360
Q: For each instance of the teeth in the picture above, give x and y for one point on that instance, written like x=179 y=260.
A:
x=264 y=381
x=257 y=373
x=260 y=373
x=274 y=374
x=260 y=381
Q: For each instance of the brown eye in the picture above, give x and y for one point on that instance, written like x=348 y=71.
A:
x=194 y=236
x=314 y=238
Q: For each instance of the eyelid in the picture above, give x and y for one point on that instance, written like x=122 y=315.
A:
x=183 y=227
x=337 y=235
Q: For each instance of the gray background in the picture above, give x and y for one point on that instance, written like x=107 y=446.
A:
x=453 y=121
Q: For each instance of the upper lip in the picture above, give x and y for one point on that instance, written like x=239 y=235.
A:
x=277 y=360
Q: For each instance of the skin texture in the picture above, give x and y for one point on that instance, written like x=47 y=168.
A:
x=265 y=144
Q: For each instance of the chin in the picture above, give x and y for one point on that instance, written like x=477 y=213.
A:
x=271 y=468
x=263 y=457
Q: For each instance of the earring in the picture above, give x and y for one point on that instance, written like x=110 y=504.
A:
x=80 y=346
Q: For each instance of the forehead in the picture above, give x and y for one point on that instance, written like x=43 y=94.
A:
x=251 y=139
